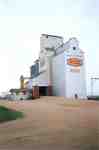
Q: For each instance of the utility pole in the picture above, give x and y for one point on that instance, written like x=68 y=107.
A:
x=91 y=86
x=92 y=83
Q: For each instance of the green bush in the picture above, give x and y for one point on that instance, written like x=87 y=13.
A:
x=97 y=97
x=8 y=114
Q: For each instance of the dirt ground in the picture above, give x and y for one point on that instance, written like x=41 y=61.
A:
x=52 y=123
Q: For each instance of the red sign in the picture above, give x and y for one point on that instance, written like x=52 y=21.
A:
x=76 y=62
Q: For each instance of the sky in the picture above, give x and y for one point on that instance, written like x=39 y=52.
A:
x=23 y=21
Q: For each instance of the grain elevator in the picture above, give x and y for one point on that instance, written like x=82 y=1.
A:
x=60 y=68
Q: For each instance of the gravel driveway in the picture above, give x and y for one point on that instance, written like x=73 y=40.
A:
x=52 y=123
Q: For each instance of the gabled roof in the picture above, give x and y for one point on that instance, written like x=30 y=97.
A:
x=52 y=36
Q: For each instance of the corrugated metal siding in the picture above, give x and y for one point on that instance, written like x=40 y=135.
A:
x=58 y=75
x=41 y=80
x=75 y=76
x=34 y=70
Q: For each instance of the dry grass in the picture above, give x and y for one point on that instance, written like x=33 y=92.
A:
x=73 y=103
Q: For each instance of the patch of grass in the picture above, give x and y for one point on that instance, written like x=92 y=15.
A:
x=8 y=114
x=93 y=98
x=97 y=98
x=72 y=104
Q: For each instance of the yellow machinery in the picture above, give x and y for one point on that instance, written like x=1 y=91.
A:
x=22 y=81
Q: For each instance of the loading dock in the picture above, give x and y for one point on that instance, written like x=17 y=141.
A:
x=43 y=90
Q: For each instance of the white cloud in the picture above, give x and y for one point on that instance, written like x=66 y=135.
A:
x=3 y=3
x=90 y=8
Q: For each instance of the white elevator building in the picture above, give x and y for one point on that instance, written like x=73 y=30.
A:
x=61 y=67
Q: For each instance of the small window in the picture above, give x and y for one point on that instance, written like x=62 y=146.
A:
x=74 y=48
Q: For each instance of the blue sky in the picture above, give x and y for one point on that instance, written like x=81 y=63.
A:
x=22 y=22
